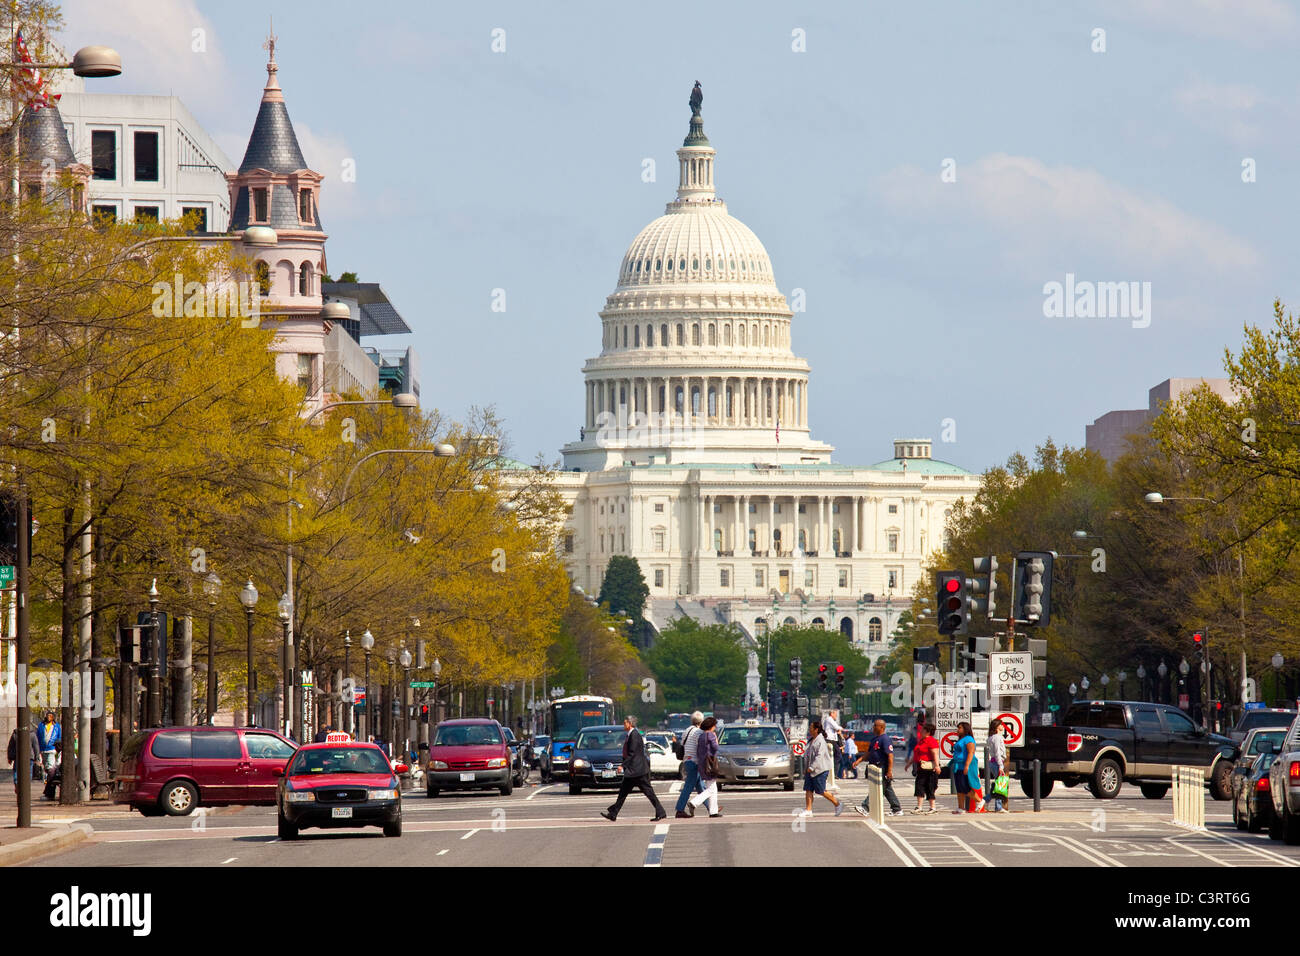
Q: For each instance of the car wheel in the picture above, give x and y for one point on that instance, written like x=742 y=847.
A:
x=1221 y=781
x=1154 y=791
x=393 y=829
x=788 y=785
x=508 y=787
x=1275 y=826
x=430 y=792
x=1290 y=829
x=179 y=798
x=1253 y=823
x=1237 y=819
x=1027 y=785
x=284 y=828
x=1106 y=779
x=574 y=788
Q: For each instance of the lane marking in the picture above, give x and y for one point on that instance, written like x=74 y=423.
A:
x=442 y=852
x=231 y=860
x=470 y=833
x=1252 y=855
x=539 y=790
x=654 y=853
x=1094 y=857
x=884 y=833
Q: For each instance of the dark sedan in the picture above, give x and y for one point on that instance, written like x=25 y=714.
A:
x=1252 y=804
x=597 y=758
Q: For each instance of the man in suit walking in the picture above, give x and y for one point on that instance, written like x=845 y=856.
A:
x=636 y=773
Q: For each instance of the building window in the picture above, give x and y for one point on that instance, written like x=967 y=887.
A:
x=893 y=580
x=200 y=214
x=146 y=213
x=622 y=542
x=844 y=578
x=304 y=279
x=803 y=539
x=724 y=577
x=893 y=542
x=568 y=544
x=305 y=371
x=835 y=509
x=146 y=157
x=801 y=509
x=835 y=540
x=259 y=204
x=874 y=630
x=304 y=205
x=659 y=577
x=776 y=539
x=104 y=213
x=659 y=508
x=659 y=540
x=103 y=153
x=758 y=577
x=808 y=578
x=893 y=509
x=776 y=509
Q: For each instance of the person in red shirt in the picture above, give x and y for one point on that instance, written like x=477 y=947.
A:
x=925 y=757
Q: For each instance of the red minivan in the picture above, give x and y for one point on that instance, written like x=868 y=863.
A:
x=172 y=770
x=469 y=753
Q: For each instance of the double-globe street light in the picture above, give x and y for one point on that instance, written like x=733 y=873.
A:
x=248 y=598
x=368 y=645
x=212 y=591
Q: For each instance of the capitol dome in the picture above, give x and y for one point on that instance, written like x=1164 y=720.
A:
x=696 y=242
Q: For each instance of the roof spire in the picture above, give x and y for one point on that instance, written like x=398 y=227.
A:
x=271 y=92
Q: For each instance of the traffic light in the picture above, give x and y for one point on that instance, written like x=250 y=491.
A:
x=785 y=702
x=1051 y=683
x=424 y=713
x=1198 y=648
x=950 y=600
x=985 y=583
x=1034 y=588
x=823 y=673
x=925 y=655
x=839 y=678
x=771 y=673
x=796 y=672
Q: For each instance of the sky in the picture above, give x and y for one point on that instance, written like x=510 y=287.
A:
x=923 y=172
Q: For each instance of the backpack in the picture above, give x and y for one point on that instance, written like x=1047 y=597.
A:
x=679 y=747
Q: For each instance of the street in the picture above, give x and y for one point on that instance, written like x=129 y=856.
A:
x=545 y=825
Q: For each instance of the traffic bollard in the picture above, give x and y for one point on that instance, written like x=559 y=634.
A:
x=1038 y=785
x=876 y=793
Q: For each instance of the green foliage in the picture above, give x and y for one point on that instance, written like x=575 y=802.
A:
x=813 y=646
x=623 y=589
x=698 y=667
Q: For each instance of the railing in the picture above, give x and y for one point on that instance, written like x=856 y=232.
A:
x=1189 y=797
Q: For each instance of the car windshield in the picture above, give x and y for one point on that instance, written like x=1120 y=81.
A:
x=467 y=735
x=752 y=736
x=1262 y=718
x=338 y=760
x=601 y=740
x=1276 y=736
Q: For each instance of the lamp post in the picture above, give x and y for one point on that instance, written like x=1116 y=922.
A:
x=367 y=645
x=154 y=710
x=1277 y=661
x=1085 y=685
x=284 y=609
x=1142 y=681
x=441 y=450
x=405 y=660
x=1163 y=671
x=1105 y=681
x=350 y=699
x=1123 y=676
x=437 y=672
x=212 y=590
x=248 y=598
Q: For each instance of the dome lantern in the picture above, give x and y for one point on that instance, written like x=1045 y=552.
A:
x=695 y=158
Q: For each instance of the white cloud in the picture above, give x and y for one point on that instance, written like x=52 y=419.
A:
x=327 y=154
x=1036 y=210
x=1241 y=113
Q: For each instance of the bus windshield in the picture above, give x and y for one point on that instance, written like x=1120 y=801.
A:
x=570 y=716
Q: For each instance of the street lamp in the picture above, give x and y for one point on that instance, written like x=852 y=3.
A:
x=1085 y=685
x=441 y=450
x=367 y=645
x=155 y=669
x=1277 y=662
x=405 y=660
x=212 y=590
x=349 y=716
x=248 y=598
x=1123 y=676
x=284 y=608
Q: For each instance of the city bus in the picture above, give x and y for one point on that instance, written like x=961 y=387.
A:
x=679 y=723
x=564 y=718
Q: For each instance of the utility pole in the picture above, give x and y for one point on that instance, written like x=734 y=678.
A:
x=23 y=559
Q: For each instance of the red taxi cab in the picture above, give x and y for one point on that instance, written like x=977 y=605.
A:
x=340 y=783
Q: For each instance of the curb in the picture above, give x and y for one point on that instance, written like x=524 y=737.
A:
x=52 y=840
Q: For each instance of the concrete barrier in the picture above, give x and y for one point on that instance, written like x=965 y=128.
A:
x=47 y=839
x=1189 y=797
x=876 y=793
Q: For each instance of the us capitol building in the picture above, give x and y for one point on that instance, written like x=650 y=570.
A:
x=696 y=458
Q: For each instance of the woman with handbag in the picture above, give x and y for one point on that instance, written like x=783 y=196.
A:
x=925 y=761
x=706 y=761
x=818 y=765
x=995 y=755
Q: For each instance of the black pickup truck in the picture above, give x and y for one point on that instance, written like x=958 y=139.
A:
x=1102 y=743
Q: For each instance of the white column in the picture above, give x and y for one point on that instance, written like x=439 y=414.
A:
x=853 y=543
x=708 y=504
x=771 y=522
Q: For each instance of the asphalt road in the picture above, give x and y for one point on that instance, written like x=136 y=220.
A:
x=548 y=826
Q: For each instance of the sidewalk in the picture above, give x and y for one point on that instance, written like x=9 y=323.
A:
x=54 y=827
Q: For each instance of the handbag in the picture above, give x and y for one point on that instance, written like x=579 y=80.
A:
x=711 y=767
x=679 y=749
x=1002 y=785
x=927 y=764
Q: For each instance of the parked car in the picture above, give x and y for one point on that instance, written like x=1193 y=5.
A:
x=541 y=744
x=1105 y=743
x=1252 y=804
x=469 y=753
x=339 y=785
x=172 y=770
x=663 y=762
x=753 y=752
x=1275 y=718
x=1284 y=788
x=597 y=758
x=518 y=765
x=664 y=738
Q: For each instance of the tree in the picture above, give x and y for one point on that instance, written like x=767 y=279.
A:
x=589 y=651
x=623 y=589
x=698 y=666
x=813 y=646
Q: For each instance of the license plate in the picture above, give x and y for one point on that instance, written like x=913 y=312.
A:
x=751 y=773
x=609 y=773
x=467 y=778
x=342 y=813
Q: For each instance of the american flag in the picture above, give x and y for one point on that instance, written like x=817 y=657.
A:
x=778 y=426
x=29 y=82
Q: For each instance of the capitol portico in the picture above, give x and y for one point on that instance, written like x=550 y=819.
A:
x=695 y=455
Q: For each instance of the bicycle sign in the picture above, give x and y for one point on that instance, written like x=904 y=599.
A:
x=1011 y=674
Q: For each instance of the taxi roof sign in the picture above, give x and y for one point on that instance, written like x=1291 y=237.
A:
x=338 y=737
